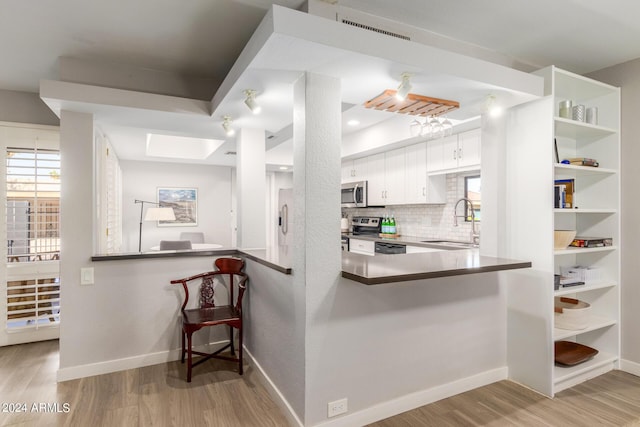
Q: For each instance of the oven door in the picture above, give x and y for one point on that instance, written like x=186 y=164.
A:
x=354 y=195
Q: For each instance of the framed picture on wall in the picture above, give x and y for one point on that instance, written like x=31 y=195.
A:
x=184 y=202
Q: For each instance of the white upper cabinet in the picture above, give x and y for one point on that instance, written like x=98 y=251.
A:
x=386 y=178
x=354 y=170
x=455 y=153
x=469 y=149
x=419 y=187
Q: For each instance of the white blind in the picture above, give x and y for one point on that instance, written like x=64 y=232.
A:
x=33 y=205
x=109 y=183
x=33 y=236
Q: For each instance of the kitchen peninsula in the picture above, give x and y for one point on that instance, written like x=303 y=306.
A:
x=370 y=270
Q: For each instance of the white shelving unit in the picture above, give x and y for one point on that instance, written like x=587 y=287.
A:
x=595 y=213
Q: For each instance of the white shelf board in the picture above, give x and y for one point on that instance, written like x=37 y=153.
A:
x=584 y=288
x=595 y=322
x=575 y=170
x=582 y=211
x=564 y=373
x=573 y=251
x=580 y=130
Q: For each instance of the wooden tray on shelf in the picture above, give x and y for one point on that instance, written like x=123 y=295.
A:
x=570 y=353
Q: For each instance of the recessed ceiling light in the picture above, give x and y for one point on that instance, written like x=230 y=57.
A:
x=353 y=122
x=283 y=168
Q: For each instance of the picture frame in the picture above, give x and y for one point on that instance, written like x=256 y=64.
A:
x=184 y=202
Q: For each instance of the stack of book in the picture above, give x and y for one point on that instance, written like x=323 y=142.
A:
x=583 y=161
x=591 y=242
x=564 y=190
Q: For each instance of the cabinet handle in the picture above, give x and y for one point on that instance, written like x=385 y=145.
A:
x=454 y=154
x=460 y=153
x=386 y=194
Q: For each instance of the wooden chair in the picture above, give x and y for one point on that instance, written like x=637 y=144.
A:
x=208 y=314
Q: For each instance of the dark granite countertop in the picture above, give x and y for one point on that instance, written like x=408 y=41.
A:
x=373 y=270
x=370 y=270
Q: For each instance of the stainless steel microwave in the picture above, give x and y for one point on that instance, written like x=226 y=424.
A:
x=354 y=195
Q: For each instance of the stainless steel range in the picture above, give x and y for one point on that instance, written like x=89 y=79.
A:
x=366 y=225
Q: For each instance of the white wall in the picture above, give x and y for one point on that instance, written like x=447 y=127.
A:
x=626 y=76
x=25 y=107
x=140 y=180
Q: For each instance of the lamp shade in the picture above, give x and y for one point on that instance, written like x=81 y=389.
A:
x=160 y=214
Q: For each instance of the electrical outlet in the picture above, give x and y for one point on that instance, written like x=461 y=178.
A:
x=336 y=407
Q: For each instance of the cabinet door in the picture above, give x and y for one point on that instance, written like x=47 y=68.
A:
x=363 y=247
x=469 y=148
x=347 y=171
x=360 y=169
x=375 y=177
x=450 y=152
x=434 y=155
x=415 y=175
x=394 y=181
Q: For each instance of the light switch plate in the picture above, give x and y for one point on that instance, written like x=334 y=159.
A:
x=86 y=276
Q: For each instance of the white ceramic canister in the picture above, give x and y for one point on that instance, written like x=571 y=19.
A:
x=592 y=115
x=565 y=108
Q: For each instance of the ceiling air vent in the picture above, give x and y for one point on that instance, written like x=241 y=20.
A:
x=231 y=153
x=377 y=30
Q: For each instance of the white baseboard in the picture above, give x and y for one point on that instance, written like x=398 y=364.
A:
x=274 y=392
x=415 y=400
x=630 y=367
x=109 y=366
x=385 y=409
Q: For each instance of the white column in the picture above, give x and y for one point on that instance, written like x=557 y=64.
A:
x=76 y=227
x=316 y=198
x=251 y=187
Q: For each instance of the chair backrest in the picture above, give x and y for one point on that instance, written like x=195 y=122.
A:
x=193 y=237
x=174 y=244
x=225 y=266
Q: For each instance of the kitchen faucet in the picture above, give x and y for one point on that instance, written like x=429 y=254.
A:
x=475 y=236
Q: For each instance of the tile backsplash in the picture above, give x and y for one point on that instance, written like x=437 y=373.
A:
x=428 y=221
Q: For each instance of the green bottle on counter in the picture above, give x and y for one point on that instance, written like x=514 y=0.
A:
x=392 y=225
x=385 y=225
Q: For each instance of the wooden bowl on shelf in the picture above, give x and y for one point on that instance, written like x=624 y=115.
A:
x=563 y=238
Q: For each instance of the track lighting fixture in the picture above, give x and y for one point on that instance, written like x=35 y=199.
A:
x=492 y=107
x=250 y=101
x=226 y=125
x=404 y=88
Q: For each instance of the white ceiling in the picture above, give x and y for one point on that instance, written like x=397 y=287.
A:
x=203 y=38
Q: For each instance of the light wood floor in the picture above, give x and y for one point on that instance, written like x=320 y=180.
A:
x=159 y=396
x=152 y=396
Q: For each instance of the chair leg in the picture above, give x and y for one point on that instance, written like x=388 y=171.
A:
x=233 y=352
x=189 y=358
x=183 y=347
x=240 y=369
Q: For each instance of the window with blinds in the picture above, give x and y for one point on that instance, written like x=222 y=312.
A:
x=33 y=205
x=33 y=236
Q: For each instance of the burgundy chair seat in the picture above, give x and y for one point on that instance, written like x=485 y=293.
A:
x=211 y=316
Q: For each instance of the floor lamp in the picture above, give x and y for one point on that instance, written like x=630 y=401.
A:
x=153 y=214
